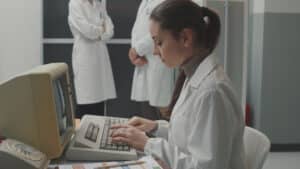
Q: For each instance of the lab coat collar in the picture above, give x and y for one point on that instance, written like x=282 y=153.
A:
x=203 y=70
x=191 y=66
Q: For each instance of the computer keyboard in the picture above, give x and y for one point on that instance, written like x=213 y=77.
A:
x=106 y=136
x=93 y=141
x=92 y=133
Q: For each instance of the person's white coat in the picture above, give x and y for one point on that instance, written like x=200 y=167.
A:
x=91 y=27
x=206 y=127
x=153 y=82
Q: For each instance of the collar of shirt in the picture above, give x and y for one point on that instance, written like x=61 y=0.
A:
x=202 y=70
x=190 y=66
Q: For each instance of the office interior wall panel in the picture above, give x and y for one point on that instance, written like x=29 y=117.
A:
x=235 y=40
x=280 y=111
x=258 y=6
x=273 y=76
x=123 y=74
x=58 y=53
x=56 y=19
x=21 y=36
x=236 y=44
x=280 y=6
x=123 y=13
x=255 y=61
x=275 y=6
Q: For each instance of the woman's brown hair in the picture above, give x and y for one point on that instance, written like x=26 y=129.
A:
x=174 y=16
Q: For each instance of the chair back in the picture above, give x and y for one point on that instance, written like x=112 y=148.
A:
x=257 y=147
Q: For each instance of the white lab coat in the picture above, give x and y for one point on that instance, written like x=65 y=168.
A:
x=153 y=82
x=91 y=26
x=206 y=127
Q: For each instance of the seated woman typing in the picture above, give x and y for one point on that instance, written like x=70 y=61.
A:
x=206 y=125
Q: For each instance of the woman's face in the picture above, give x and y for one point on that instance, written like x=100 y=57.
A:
x=171 y=50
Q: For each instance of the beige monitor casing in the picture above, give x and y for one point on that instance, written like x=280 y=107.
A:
x=28 y=111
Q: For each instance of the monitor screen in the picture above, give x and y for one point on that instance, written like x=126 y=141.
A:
x=61 y=100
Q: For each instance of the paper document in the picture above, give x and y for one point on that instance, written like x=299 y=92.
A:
x=146 y=162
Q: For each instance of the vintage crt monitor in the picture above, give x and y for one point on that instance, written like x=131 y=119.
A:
x=36 y=108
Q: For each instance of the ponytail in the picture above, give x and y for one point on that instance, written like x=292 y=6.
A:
x=213 y=27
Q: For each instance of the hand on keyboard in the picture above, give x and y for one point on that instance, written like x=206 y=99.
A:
x=106 y=139
x=143 y=124
x=93 y=141
x=129 y=135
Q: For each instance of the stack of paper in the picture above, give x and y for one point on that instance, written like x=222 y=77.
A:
x=146 y=162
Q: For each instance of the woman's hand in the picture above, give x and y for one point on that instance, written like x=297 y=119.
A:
x=129 y=135
x=132 y=55
x=143 y=124
x=135 y=58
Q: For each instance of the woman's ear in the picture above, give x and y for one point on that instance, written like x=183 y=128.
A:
x=187 y=37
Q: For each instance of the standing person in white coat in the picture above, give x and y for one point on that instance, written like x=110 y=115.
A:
x=91 y=27
x=206 y=126
x=153 y=82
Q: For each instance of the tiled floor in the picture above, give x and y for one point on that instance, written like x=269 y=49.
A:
x=283 y=160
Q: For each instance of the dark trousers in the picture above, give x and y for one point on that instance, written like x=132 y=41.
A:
x=94 y=109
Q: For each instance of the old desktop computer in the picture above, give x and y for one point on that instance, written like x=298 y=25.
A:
x=37 y=108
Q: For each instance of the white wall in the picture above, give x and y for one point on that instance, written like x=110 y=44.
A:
x=283 y=6
x=258 y=6
x=235 y=42
x=276 y=6
x=272 y=92
x=20 y=36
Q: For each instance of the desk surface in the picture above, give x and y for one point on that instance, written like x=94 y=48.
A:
x=77 y=123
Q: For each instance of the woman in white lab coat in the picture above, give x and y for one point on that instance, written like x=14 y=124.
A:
x=206 y=125
x=91 y=27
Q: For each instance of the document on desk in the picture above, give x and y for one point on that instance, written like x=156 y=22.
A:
x=146 y=162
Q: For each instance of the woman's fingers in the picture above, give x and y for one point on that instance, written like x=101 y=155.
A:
x=121 y=132
x=132 y=55
x=131 y=136
x=140 y=61
x=117 y=126
x=121 y=140
x=135 y=121
x=120 y=136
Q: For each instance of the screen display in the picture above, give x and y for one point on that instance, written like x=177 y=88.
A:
x=62 y=104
